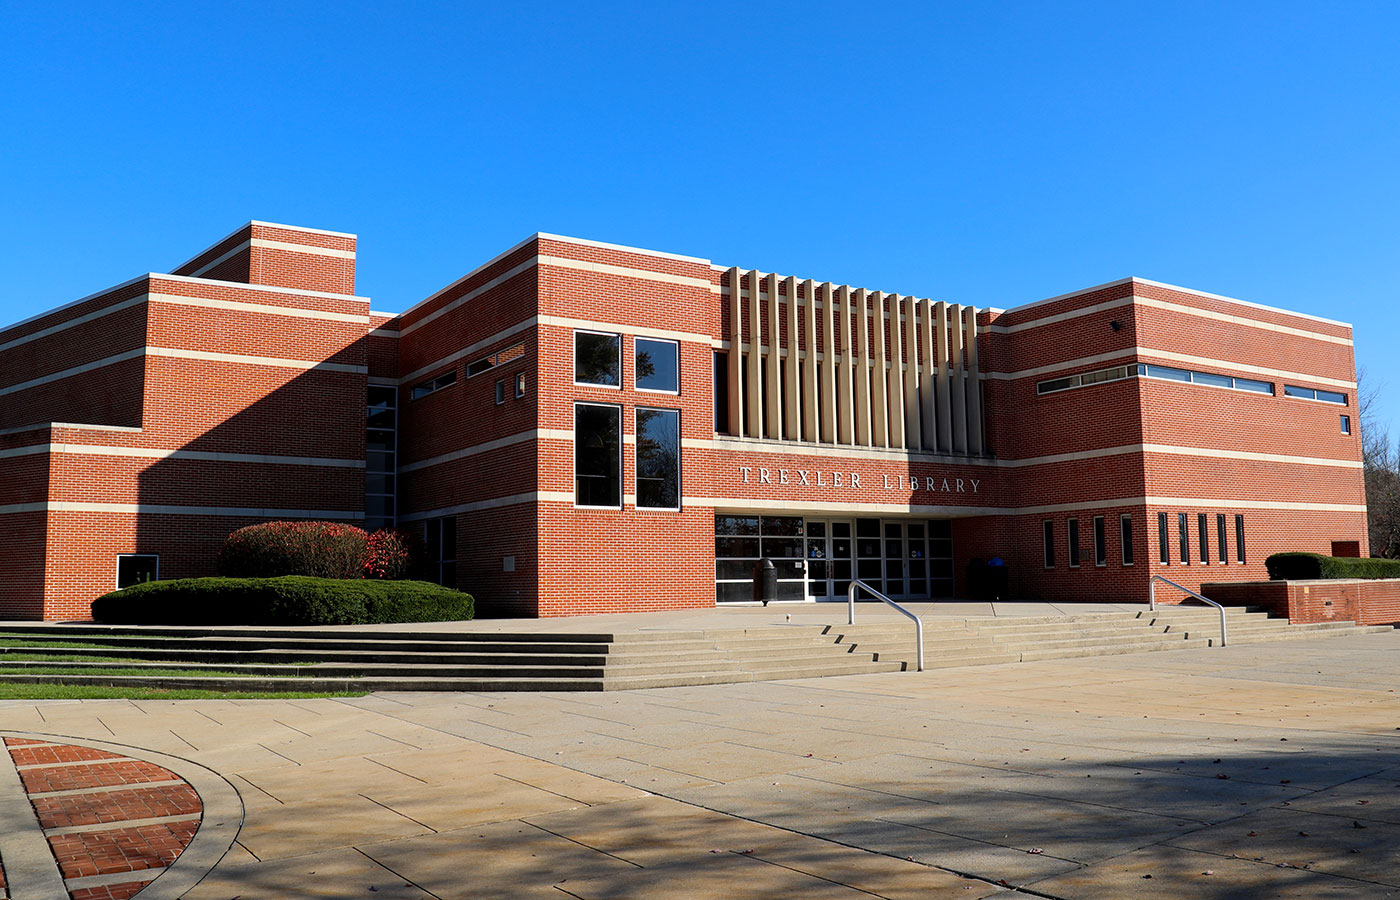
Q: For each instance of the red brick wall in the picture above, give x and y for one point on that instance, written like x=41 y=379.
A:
x=1366 y=602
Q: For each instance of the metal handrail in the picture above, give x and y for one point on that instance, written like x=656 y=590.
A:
x=1152 y=600
x=851 y=610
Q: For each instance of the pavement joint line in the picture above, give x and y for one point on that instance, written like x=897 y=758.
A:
x=106 y=789
x=382 y=765
x=120 y=824
x=106 y=878
x=582 y=844
x=76 y=762
x=30 y=867
x=403 y=814
x=396 y=874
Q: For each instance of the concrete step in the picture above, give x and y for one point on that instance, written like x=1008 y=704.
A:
x=842 y=661
x=284 y=685
x=307 y=656
x=1032 y=655
x=794 y=672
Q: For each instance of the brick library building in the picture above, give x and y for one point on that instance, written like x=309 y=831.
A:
x=579 y=427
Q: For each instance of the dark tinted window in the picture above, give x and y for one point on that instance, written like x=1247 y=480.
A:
x=1073 y=542
x=658 y=365
x=597 y=455
x=597 y=358
x=659 y=458
x=136 y=569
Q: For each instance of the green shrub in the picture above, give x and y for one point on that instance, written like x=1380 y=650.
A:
x=288 y=600
x=1315 y=566
x=317 y=549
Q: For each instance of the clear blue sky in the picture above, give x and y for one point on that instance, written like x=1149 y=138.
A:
x=986 y=153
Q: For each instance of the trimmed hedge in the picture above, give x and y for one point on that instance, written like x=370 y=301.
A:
x=289 y=600
x=319 y=549
x=1315 y=566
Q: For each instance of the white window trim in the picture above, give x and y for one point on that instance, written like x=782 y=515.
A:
x=636 y=384
x=1075 y=546
x=1125 y=543
x=637 y=467
x=1344 y=424
x=1094 y=525
x=621 y=443
x=621 y=373
x=1345 y=403
x=117 y=573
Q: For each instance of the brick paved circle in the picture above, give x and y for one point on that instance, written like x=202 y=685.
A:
x=118 y=821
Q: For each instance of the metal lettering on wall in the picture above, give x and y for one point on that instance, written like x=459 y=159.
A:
x=831 y=479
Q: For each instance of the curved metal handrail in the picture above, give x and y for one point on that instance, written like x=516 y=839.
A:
x=1152 y=599
x=851 y=610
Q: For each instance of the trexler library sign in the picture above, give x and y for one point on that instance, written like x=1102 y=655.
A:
x=828 y=478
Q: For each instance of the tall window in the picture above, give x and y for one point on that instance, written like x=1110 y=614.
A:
x=1184 y=534
x=440 y=535
x=381 y=446
x=1163 y=547
x=597 y=455
x=1100 y=543
x=1203 y=533
x=1047 y=529
x=1074 y=543
x=658 y=458
x=1220 y=537
x=721 y=392
x=1239 y=538
x=597 y=359
x=1125 y=534
x=658 y=365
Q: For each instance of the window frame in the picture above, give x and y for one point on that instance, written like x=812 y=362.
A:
x=1224 y=547
x=520 y=384
x=1164 y=540
x=1072 y=537
x=1047 y=537
x=1346 y=425
x=637 y=460
x=430 y=386
x=1239 y=539
x=500 y=392
x=621 y=454
x=636 y=382
x=1100 y=542
x=621 y=374
x=1183 y=529
x=1203 y=534
x=117 y=573
x=1125 y=540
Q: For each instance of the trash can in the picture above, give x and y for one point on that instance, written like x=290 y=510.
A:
x=765 y=581
x=996 y=578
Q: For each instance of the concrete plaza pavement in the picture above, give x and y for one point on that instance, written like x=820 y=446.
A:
x=1266 y=770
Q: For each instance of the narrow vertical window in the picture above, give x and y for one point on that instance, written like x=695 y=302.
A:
x=1184 y=536
x=520 y=385
x=500 y=391
x=1163 y=546
x=1346 y=424
x=1203 y=533
x=1125 y=535
x=1047 y=529
x=597 y=455
x=1220 y=537
x=721 y=393
x=658 y=458
x=1100 y=542
x=1239 y=538
x=1074 y=543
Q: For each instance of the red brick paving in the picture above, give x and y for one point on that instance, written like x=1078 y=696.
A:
x=72 y=778
x=121 y=849
x=110 y=850
x=20 y=742
x=123 y=891
x=31 y=756
x=116 y=806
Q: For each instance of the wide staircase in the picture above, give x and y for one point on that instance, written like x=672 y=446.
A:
x=343 y=660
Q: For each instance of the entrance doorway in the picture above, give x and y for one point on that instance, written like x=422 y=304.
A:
x=816 y=559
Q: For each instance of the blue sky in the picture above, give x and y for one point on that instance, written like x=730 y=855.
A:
x=988 y=153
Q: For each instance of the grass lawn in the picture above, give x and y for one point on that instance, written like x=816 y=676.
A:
x=12 y=691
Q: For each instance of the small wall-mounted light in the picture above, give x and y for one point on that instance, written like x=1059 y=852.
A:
x=1116 y=325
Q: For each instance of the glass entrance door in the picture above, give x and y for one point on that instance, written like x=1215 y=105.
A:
x=828 y=558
